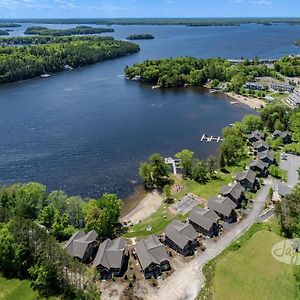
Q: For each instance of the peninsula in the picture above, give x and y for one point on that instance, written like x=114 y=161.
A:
x=140 y=37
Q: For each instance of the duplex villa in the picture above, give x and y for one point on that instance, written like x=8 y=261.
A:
x=152 y=256
x=111 y=259
x=266 y=157
x=224 y=207
x=260 y=167
x=255 y=136
x=181 y=237
x=82 y=246
x=247 y=180
x=235 y=192
x=260 y=146
x=286 y=136
x=204 y=221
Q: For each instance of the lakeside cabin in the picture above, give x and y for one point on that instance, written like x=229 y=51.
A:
x=181 y=237
x=255 y=136
x=81 y=245
x=260 y=146
x=259 y=167
x=111 y=259
x=286 y=136
x=204 y=221
x=235 y=192
x=152 y=256
x=224 y=207
x=247 y=180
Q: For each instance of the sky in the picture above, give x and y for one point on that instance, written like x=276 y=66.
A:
x=147 y=8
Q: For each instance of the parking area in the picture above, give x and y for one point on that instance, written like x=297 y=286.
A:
x=186 y=204
x=291 y=164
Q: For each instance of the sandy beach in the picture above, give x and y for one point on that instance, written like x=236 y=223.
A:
x=150 y=203
x=252 y=102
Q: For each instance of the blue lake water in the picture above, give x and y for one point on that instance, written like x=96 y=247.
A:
x=86 y=131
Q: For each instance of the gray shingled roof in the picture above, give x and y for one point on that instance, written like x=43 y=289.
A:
x=283 y=189
x=265 y=154
x=181 y=233
x=222 y=205
x=248 y=174
x=204 y=218
x=256 y=134
x=151 y=251
x=110 y=254
x=235 y=190
x=259 y=164
x=77 y=245
x=260 y=143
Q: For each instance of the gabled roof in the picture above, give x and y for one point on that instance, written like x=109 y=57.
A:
x=256 y=134
x=110 y=254
x=77 y=245
x=283 y=189
x=151 y=251
x=222 y=205
x=204 y=218
x=181 y=233
x=258 y=164
x=265 y=154
x=259 y=144
x=235 y=190
x=248 y=174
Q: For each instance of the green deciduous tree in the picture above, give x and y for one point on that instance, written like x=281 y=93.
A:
x=186 y=161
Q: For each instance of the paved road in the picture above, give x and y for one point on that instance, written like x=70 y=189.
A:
x=186 y=282
x=291 y=165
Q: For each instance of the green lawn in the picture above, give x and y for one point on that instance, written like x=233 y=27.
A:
x=16 y=290
x=251 y=272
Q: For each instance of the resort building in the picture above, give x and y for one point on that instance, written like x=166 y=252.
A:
x=254 y=86
x=294 y=99
x=247 y=180
x=224 y=207
x=81 y=245
x=152 y=256
x=181 y=237
x=235 y=192
x=255 y=136
x=204 y=221
x=282 y=87
x=286 y=136
x=259 y=167
x=111 y=259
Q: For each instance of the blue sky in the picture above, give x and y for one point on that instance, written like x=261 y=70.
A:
x=148 y=8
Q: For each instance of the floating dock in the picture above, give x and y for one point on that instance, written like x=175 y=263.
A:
x=207 y=138
x=173 y=162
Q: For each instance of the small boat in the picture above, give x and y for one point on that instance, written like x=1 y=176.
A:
x=137 y=78
x=212 y=91
x=155 y=87
x=234 y=102
x=45 y=75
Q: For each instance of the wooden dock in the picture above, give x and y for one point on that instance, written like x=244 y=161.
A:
x=208 y=139
x=173 y=162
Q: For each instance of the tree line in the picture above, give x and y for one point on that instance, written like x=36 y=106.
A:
x=9 y=25
x=79 y=30
x=32 y=223
x=288 y=66
x=146 y=36
x=181 y=71
x=19 y=63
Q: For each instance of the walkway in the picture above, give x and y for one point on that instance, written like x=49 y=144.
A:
x=186 y=282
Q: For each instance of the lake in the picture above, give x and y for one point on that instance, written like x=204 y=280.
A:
x=86 y=131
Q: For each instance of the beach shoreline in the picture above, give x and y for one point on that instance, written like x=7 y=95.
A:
x=252 y=102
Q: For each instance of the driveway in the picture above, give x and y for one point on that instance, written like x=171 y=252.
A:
x=187 y=281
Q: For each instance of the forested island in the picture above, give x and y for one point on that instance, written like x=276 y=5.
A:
x=182 y=71
x=9 y=25
x=37 y=40
x=140 y=37
x=19 y=63
x=79 y=30
x=4 y=32
x=166 y=21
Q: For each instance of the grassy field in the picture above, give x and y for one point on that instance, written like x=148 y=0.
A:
x=16 y=290
x=251 y=272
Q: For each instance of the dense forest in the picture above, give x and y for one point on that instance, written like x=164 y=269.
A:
x=9 y=25
x=38 y=30
x=4 y=32
x=37 y=40
x=177 y=72
x=19 y=63
x=33 y=222
x=140 y=37
x=166 y=21
x=289 y=66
